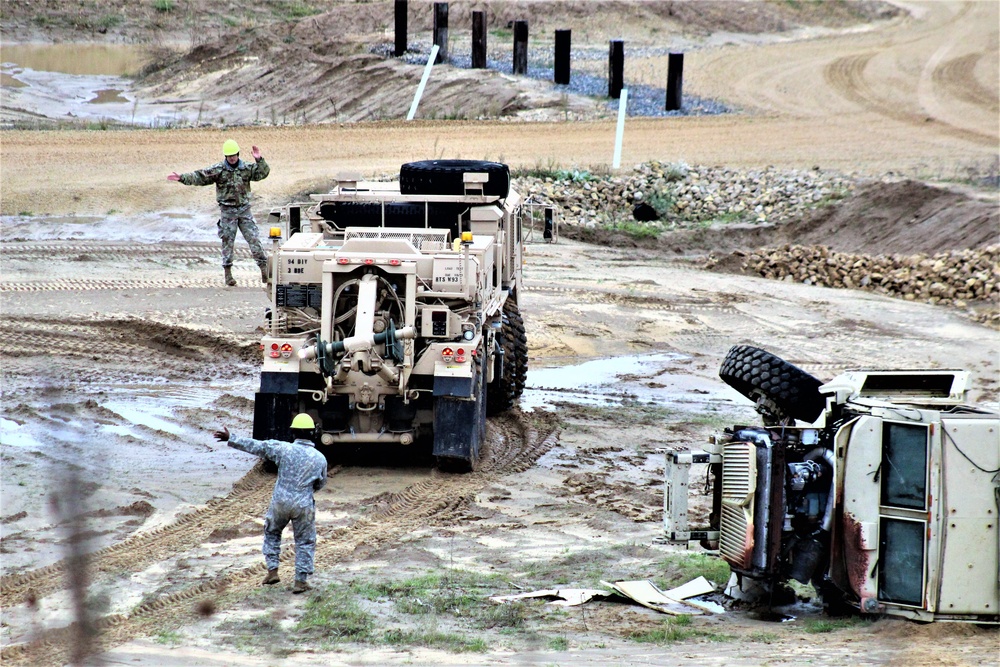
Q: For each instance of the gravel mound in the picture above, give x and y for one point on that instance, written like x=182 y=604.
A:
x=685 y=196
x=949 y=278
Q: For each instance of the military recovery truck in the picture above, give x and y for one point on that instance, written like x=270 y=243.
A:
x=881 y=488
x=394 y=311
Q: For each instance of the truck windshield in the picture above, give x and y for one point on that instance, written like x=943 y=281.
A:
x=904 y=465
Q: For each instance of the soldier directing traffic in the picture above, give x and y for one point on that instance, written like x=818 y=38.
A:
x=301 y=472
x=232 y=179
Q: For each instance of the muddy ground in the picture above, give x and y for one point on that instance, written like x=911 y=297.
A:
x=122 y=351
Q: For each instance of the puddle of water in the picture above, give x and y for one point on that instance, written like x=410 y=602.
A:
x=141 y=228
x=108 y=96
x=113 y=59
x=13 y=434
x=8 y=81
x=146 y=415
x=62 y=96
x=598 y=381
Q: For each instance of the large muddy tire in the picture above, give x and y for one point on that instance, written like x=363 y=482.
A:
x=755 y=373
x=508 y=386
x=444 y=177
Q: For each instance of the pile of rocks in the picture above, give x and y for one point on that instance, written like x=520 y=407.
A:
x=683 y=196
x=949 y=278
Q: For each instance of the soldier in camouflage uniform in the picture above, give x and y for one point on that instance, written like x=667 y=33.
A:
x=301 y=471
x=232 y=179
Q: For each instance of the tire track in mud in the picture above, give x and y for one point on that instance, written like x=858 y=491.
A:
x=118 y=339
x=847 y=76
x=137 y=552
x=102 y=251
x=514 y=446
x=632 y=300
x=958 y=77
x=87 y=285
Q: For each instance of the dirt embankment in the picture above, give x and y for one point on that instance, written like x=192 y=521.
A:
x=295 y=63
x=879 y=218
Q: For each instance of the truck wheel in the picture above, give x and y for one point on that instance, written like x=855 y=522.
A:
x=520 y=347
x=508 y=386
x=755 y=372
x=444 y=177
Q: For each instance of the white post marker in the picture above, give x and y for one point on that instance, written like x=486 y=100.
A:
x=620 y=132
x=423 y=82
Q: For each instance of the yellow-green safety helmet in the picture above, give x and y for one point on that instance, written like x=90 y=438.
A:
x=230 y=148
x=303 y=421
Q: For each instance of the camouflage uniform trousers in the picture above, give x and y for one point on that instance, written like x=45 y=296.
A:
x=303 y=520
x=239 y=217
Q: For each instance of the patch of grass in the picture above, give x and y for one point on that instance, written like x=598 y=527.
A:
x=109 y=21
x=636 y=230
x=163 y=5
x=432 y=639
x=677 y=629
x=762 y=637
x=730 y=218
x=168 y=637
x=662 y=202
x=253 y=634
x=336 y=616
x=459 y=593
x=681 y=568
x=24 y=213
x=823 y=625
x=509 y=615
x=558 y=644
x=293 y=9
x=587 y=567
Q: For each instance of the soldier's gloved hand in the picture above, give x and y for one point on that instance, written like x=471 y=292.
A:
x=222 y=435
x=255 y=152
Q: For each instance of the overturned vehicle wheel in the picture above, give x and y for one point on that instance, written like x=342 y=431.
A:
x=778 y=387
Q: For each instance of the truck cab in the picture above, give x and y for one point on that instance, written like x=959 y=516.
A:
x=887 y=502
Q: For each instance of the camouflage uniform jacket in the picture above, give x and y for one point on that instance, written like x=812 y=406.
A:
x=301 y=469
x=232 y=182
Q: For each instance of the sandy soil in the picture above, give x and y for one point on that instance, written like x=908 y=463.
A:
x=120 y=355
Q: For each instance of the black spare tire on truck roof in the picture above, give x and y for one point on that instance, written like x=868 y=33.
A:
x=445 y=177
x=754 y=372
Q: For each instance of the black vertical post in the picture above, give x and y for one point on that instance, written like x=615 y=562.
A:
x=675 y=81
x=547 y=229
x=441 y=31
x=616 y=65
x=478 y=40
x=520 y=47
x=562 y=57
x=400 y=8
x=294 y=219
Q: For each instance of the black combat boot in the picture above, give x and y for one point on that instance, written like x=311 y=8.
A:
x=229 y=276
